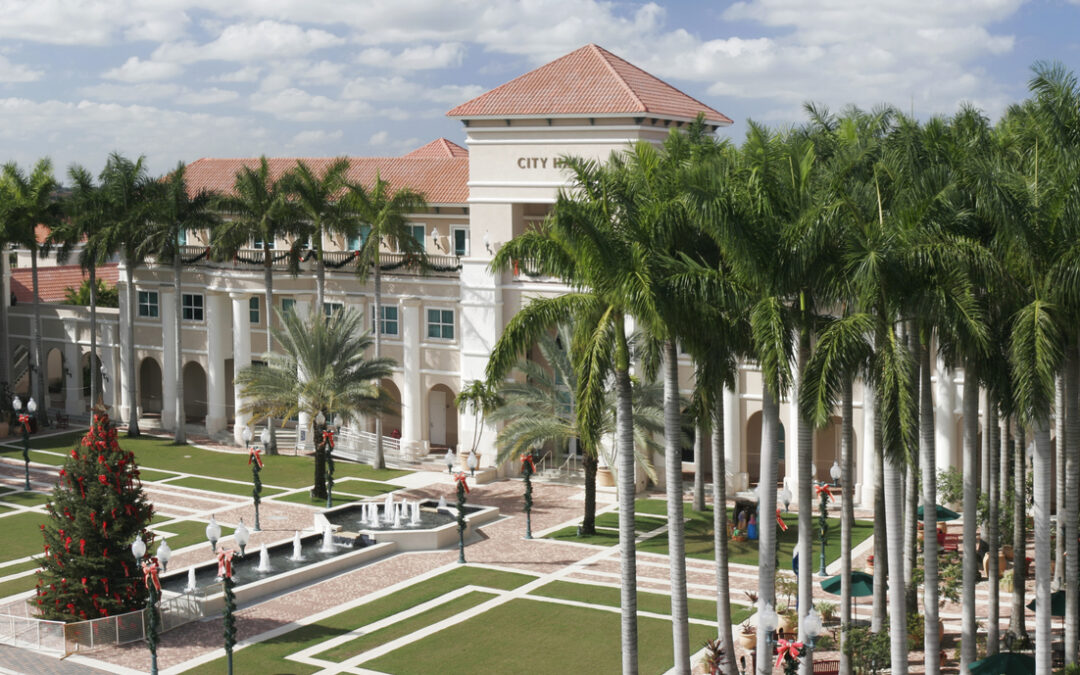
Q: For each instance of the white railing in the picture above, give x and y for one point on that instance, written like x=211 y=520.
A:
x=360 y=445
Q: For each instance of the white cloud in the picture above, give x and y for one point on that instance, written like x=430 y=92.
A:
x=251 y=42
x=424 y=57
x=317 y=138
x=286 y=74
x=14 y=72
x=209 y=96
x=137 y=70
x=399 y=89
x=297 y=105
x=157 y=91
x=245 y=74
x=379 y=138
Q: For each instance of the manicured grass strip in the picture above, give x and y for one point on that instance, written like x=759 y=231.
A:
x=152 y=475
x=339 y=497
x=556 y=639
x=18 y=585
x=185 y=533
x=25 y=498
x=221 y=486
x=653 y=506
x=65 y=441
x=657 y=603
x=15 y=569
x=268 y=657
x=369 y=641
x=45 y=458
x=641 y=523
x=601 y=538
x=22 y=534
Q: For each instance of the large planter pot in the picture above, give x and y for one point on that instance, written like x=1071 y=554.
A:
x=604 y=478
x=747 y=642
x=1007 y=552
x=785 y=624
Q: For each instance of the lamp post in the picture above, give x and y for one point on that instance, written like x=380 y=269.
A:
x=213 y=533
x=242 y=536
x=824 y=493
x=834 y=472
x=450 y=459
x=256 y=463
x=462 y=490
x=24 y=420
x=153 y=587
x=527 y=470
x=164 y=554
x=768 y=622
x=812 y=628
x=228 y=617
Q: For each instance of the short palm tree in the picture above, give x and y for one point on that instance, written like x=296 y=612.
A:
x=257 y=209
x=176 y=212
x=480 y=400
x=335 y=376
x=28 y=202
x=383 y=216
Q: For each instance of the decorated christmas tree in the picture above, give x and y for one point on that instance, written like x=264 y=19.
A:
x=96 y=509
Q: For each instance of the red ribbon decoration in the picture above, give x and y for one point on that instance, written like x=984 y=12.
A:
x=785 y=649
x=328 y=437
x=25 y=421
x=150 y=574
x=254 y=453
x=824 y=487
x=780 y=521
x=460 y=477
x=82 y=547
x=224 y=563
x=528 y=458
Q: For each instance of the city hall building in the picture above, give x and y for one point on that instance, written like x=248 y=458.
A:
x=439 y=327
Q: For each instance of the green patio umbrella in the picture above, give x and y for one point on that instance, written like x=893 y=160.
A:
x=862 y=584
x=1005 y=663
x=943 y=514
x=1057 y=604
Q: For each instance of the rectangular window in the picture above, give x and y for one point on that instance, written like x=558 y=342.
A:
x=356 y=243
x=287 y=305
x=389 y=319
x=461 y=242
x=253 y=309
x=191 y=307
x=181 y=238
x=148 y=304
x=332 y=308
x=258 y=244
x=418 y=234
x=440 y=324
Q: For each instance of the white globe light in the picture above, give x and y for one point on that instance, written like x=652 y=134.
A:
x=213 y=531
x=812 y=624
x=242 y=536
x=31 y=406
x=265 y=436
x=138 y=547
x=320 y=419
x=769 y=619
x=16 y=404
x=835 y=471
x=449 y=457
x=164 y=553
x=246 y=435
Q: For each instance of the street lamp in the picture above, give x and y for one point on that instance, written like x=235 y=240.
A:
x=242 y=536
x=812 y=626
x=835 y=473
x=164 y=553
x=24 y=420
x=213 y=533
x=225 y=571
x=824 y=493
x=768 y=622
x=150 y=576
x=471 y=461
x=256 y=463
x=785 y=496
x=450 y=459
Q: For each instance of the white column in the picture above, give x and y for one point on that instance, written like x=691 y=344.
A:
x=167 y=312
x=241 y=330
x=217 y=322
x=481 y=324
x=72 y=373
x=944 y=416
x=109 y=349
x=733 y=456
x=413 y=443
x=866 y=449
x=122 y=370
x=791 y=433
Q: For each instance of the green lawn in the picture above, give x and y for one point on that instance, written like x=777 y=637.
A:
x=268 y=656
x=642 y=523
x=647 y=602
x=19 y=585
x=151 y=475
x=19 y=567
x=22 y=535
x=601 y=538
x=543 y=638
x=225 y=487
x=24 y=498
x=185 y=533
x=392 y=632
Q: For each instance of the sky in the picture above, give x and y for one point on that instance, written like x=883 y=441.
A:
x=176 y=80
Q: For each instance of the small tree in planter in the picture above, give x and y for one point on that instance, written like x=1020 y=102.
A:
x=96 y=510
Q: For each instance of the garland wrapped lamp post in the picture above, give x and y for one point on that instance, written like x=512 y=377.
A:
x=256 y=463
x=528 y=468
x=328 y=442
x=824 y=493
x=24 y=420
x=789 y=653
x=153 y=588
x=228 y=617
x=462 y=490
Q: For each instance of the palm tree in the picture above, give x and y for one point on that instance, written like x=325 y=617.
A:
x=86 y=211
x=127 y=190
x=582 y=244
x=258 y=209
x=177 y=212
x=480 y=400
x=383 y=215
x=336 y=377
x=319 y=200
x=29 y=202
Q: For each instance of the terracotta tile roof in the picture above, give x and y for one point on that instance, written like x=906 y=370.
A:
x=442 y=178
x=589 y=81
x=54 y=281
x=440 y=147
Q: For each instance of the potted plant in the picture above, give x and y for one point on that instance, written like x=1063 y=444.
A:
x=748 y=636
x=1007 y=580
x=827 y=610
x=789 y=619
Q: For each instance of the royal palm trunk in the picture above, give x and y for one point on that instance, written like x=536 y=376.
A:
x=847 y=515
x=1042 y=491
x=881 y=546
x=971 y=491
x=379 y=461
x=180 y=435
x=770 y=434
x=1060 y=440
x=699 y=467
x=624 y=450
x=268 y=310
x=806 y=510
x=928 y=450
x=994 y=614
x=1016 y=617
x=676 y=529
x=720 y=542
x=894 y=520
x=1072 y=447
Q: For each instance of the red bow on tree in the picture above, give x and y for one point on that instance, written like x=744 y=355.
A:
x=256 y=455
x=527 y=458
x=780 y=521
x=224 y=563
x=328 y=438
x=25 y=421
x=787 y=650
x=824 y=487
x=460 y=477
x=150 y=574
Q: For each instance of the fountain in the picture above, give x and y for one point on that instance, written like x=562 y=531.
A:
x=397 y=518
x=415 y=521
x=442 y=503
x=328 y=541
x=191 y=585
x=264 y=560
x=297 y=554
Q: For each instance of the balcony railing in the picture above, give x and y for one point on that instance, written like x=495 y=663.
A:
x=344 y=261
